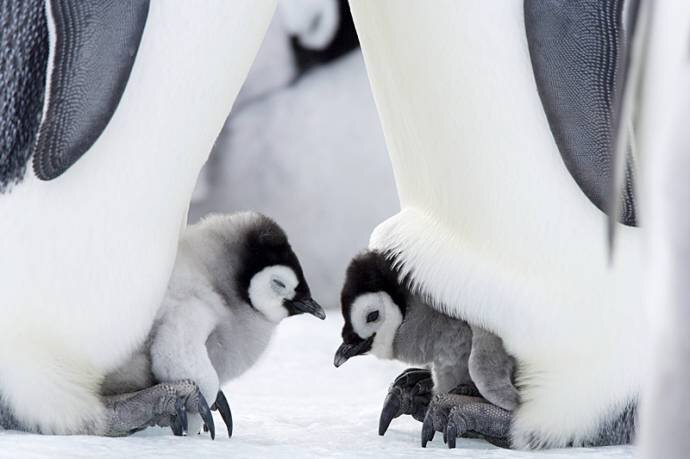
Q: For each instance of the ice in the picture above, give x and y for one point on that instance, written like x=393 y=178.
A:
x=292 y=404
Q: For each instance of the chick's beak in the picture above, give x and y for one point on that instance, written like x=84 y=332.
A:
x=308 y=305
x=345 y=351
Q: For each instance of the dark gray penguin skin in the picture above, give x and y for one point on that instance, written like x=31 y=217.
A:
x=235 y=278
x=462 y=365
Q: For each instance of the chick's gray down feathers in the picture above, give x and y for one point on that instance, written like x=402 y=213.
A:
x=217 y=316
x=457 y=353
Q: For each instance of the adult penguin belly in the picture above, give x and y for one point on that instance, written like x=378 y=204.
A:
x=493 y=226
x=136 y=95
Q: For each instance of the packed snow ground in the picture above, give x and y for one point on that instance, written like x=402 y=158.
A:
x=292 y=404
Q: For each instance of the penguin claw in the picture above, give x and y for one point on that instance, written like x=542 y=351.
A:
x=179 y=423
x=437 y=418
x=409 y=394
x=451 y=434
x=428 y=430
x=221 y=404
x=206 y=415
x=176 y=426
x=456 y=425
x=165 y=404
x=390 y=411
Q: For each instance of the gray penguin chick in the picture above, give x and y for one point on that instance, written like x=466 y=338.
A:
x=386 y=319
x=235 y=278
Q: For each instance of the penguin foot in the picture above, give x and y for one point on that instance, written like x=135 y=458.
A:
x=465 y=416
x=410 y=394
x=468 y=389
x=165 y=404
x=221 y=405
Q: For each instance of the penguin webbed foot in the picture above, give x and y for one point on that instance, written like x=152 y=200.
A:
x=465 y=416
x=410 y=394
x=165 y=404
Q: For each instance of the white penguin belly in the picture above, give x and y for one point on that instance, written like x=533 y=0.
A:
x=86 y=257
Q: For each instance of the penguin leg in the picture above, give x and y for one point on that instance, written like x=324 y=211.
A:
x=165 y=404
x=410 y=393
x=460 y=415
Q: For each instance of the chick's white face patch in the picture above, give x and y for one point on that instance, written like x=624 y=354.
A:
x=376 y=313
x=269 y=287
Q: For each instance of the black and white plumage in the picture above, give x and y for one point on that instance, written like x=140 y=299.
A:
x=386 y=319
x=93 y=49
x=494 y=226
x=24 y=48
x=579 y=55
x=135 y=95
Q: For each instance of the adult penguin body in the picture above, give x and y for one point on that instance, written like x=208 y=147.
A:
x=663 y=99
x=135 y=95
x=500 y=121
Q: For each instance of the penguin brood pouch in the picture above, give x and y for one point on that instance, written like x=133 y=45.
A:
x=235 y=278
x=466 y=384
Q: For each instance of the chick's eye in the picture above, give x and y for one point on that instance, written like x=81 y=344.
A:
x=372 y=316
x=278 y=284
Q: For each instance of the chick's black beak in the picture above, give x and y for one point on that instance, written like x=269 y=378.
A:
x=308 y=305
x=345 y=351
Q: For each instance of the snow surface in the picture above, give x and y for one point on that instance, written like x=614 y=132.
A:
x=294 y=404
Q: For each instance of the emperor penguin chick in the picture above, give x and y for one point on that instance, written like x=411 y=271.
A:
x=386 y=319
x=235 y=278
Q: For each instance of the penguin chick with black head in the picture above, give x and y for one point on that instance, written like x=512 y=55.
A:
x=235 y=278
x=386 y=319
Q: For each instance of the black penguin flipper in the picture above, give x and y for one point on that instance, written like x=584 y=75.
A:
x=23 y=60
x=577 y=50
x=94 y=48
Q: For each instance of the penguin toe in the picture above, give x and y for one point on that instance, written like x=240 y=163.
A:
x=222 y=406
x=410 y=394
x=460 y=416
